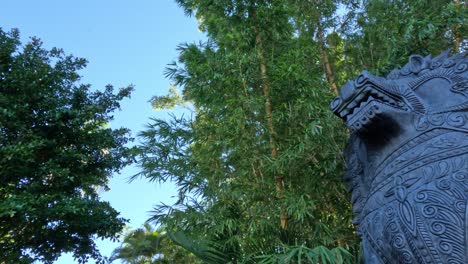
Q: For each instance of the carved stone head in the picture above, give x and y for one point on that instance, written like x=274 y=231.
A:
x=407 y=155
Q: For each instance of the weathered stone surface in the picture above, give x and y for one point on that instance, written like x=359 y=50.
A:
x=407 y=160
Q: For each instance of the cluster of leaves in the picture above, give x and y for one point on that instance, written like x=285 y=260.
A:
x=55 y=154
x=147 y=245
x=380 y=35
x=258 y=167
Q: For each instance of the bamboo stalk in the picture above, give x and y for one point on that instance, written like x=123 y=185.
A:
x=456 y=30
x=265 y=85
x=325 y=59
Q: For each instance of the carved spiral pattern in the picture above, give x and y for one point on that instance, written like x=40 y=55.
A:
x=444 y=184
x=461 y=67
x=436 y=64
x=389 y=212
x=446 y=247
x=460 y=176
x=448 y=63
x=421 y=196
x=360 y=81
x=393 y=227
x=398 y=241
x=407 y=257
x=460 y=206
x=436 y=120
x=437 y=228
x=456 y=119
x=429 y=211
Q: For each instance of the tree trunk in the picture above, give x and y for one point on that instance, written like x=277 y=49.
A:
x=329 y=74
x=265 y=85
x=325 y=60
x=456 y=31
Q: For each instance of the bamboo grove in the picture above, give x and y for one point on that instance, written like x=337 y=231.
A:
x=258 y=163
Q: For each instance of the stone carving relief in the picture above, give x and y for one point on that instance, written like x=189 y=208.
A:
x=407 y=160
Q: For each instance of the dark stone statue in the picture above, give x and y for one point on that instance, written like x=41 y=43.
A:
x=407 y=160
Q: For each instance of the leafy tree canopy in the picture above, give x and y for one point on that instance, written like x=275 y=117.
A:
x=148 y=245
x=56 y=152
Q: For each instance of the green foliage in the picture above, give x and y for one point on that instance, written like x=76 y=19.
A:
x=148 y=245
x=302 y=254
x=55 y=152
x=221 y=160
x=171 y=100
x=228 y=159
x=387 y=32
x=206 y=251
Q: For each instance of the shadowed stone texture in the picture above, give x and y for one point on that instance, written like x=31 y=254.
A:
x=407 y=160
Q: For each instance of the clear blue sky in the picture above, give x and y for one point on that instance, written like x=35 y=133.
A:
x=125 y=42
